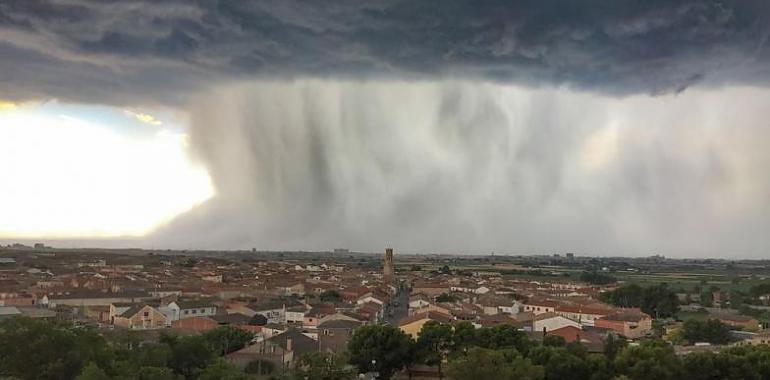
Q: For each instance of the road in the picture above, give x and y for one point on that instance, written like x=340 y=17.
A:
x=402 y=310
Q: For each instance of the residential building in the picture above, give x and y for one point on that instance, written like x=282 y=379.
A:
x=552 y=321
x=631 y=324
x=585 y=315
x=191 y=308
x=539 y=306
x=283 y=350
x=412 y=325
x=334 y=334
x=141 y=317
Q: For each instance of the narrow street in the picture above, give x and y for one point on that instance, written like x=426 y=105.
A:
x=402 y=310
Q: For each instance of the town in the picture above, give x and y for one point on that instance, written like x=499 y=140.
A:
x=291 y=304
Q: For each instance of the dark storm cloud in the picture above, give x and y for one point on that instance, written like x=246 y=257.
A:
x=148 y=51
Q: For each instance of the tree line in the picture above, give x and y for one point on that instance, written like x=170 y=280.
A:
x=33 y=349
x=502 y=352
x=659 y=300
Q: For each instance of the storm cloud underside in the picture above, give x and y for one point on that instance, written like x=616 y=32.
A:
x=148 y=52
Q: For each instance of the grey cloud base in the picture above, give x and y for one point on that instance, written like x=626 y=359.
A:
x=150 y=52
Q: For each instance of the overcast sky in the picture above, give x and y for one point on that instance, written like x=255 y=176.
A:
x=596 y=127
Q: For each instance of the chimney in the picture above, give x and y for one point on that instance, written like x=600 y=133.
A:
x=288 y=344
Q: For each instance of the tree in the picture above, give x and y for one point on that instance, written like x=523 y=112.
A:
x=260 y=367
x=379 y=348
x=322 y=366
x=153 y=373
x=657 y=300
x=563 y=365
x=411 y=358
x=36 y=349
x=464 y=336
x=759 y=290
x=434 y=341
x=478 y=363
x=149 y=355
x=331 y=296
x=731 y=364
x=613 y=345
x=226 y=339
x=600 y=367
x=482 y=363
x=651 y=360
x=712 y=331
x=92 y=372
x=189 y=355
x=446 y=297
x=707 y=298
x=660 y=302
x=258 y=320
x=554 y=341
x=701 y=365
x=503 y=336
x=560 y=363
x=624 y=296
x=221 y=370
x=596 y=278
x=126 y=340
x=736 y=299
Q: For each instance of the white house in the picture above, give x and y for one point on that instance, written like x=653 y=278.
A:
x=189 y=309
x=551 y=321
x=481 y=290
x=539 y=306
x=369 y=297
x=295 y=314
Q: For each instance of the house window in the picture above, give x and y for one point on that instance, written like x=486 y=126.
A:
x=146 y=314
x=187 y=312
x=195 y=311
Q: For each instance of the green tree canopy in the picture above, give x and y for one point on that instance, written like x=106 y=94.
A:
x=189 y=354
x=711 y=331
x=597 y=278
x=221 y=370
x=331 y=296
x=481 y=363
x=446 y=297
x=226 y=339
x=502 y=336
x=657 y=300
x=323 y=366
x=260 y=367
x=434 y=342
x=36 y=349
x=379 y=348
x=258 y=320
x=651 y=360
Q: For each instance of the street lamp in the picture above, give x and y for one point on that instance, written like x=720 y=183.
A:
x=375 y=373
